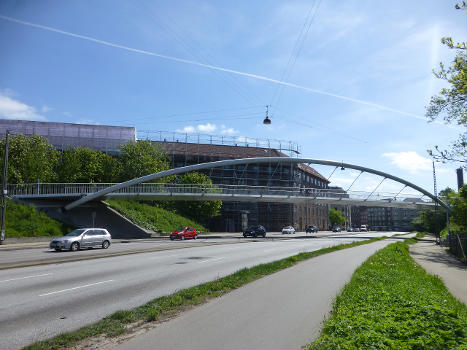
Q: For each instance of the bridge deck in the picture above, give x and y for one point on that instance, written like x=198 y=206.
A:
x=240 y=193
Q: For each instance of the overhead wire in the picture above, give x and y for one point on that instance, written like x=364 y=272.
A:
x=296 y=50
x=196 y=52
x=220 y=114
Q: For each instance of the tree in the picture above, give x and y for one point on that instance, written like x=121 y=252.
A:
x=432 y=221
x=30 y=158
x=335 y=217
x=141 y=158
x=87 y=165
x=451 y=102
x=458 y=215
x=197 y=210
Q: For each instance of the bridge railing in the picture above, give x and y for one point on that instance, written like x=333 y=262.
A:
x=81 y=189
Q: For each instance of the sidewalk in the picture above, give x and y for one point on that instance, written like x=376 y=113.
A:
x=435 y=260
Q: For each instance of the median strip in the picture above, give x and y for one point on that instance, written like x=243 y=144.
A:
x=162 y=308
x=393 y=303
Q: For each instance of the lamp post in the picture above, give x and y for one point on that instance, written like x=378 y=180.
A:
x=4 y=190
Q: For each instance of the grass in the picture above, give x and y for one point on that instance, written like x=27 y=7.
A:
x=167 y=306
x=152 y=217
x=26 y=221
x=393 y=303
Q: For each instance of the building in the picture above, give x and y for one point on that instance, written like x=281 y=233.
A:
x=104 y=138
x=187 y=149
x=384 y=218
x=236 y=215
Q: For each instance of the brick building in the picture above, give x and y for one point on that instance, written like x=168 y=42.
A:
x=273 y=216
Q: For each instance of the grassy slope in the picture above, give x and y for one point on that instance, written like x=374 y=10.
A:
x=392 y=303
x=27 y=221
x=151 y=217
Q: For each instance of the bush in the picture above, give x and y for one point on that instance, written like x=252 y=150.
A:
x=27 y=221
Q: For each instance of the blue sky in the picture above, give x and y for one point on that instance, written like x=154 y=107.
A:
x=356 y=75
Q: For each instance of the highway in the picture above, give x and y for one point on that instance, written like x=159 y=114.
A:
x=42 y=301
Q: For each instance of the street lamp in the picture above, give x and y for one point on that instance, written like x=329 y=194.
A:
x=4 y=190
x=266 y=120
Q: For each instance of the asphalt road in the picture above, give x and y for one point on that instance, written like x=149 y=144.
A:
x=42 y=301
x=279 y=311
x=21 y=255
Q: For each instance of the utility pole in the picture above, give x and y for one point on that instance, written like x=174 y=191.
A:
x=4 y=190
x=435 y=192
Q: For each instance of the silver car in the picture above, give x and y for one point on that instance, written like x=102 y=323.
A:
x=83 y=238
x=288 y=230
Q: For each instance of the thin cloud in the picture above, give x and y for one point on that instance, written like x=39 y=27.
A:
x=409 y=161
x=187 y=129
x=207 y=127
x=218 y=68
x=14 y=109
x=204 y=128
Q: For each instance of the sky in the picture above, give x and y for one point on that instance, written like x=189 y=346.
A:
x=348 y=83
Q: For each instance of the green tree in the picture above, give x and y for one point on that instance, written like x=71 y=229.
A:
x=458 y=215
x=335 y=217
x=87 y=165
x=451 y=102
x=141 y=158
x=30 y=158
x=199 y=211
x=432 y=221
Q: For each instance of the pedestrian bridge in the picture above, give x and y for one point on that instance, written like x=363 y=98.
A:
x=241 y=193
x=140 y=188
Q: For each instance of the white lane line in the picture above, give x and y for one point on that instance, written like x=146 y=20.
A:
x=23 y=278
x=201 y=262
x=66 y=290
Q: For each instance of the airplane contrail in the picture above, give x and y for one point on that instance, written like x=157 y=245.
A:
x=218 y=68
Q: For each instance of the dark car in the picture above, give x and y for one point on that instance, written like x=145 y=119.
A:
x=311 y=229
x=336 y=229
x=255 y=231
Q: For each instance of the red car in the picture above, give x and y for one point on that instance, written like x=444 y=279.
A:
x=184 y=232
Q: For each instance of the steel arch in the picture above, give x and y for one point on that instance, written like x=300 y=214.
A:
x=262 y=160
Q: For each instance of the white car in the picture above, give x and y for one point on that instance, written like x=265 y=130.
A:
x=288 y=230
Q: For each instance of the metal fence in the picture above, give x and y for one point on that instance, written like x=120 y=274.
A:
x=457 y=245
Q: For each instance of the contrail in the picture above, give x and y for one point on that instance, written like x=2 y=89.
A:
x=222 y=69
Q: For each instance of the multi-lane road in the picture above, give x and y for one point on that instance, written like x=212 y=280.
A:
x=44 y=300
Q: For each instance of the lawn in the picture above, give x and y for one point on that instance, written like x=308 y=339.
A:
x=392 y=303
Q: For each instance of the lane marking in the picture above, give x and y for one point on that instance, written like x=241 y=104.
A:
x=201 y=262
x=23 y=278
x=79 y=287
